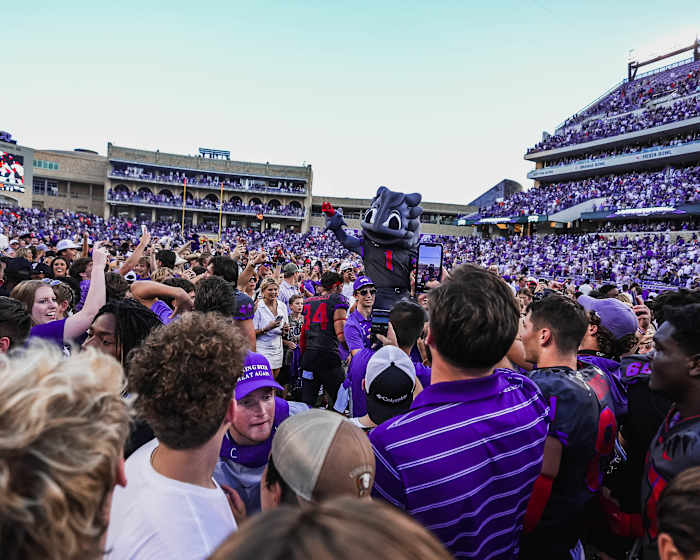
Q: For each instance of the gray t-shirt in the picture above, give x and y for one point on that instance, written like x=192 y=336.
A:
x=246 y=480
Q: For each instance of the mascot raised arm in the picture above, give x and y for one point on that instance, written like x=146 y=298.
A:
x=388 y=244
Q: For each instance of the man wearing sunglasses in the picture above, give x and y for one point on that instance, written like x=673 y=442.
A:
x=359 y=322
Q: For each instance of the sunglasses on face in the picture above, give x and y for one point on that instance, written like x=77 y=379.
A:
x=370 y=291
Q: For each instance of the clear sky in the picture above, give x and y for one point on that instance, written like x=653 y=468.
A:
x=439 y=97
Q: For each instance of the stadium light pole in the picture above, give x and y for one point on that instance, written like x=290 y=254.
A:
x=221 y=207
x=184 y=201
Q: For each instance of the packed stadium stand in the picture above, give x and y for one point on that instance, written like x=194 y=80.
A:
x=151 y=186
x=633 y=154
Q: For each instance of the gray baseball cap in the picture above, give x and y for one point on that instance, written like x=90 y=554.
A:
x=320 y=455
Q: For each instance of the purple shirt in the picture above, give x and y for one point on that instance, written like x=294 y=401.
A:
x=162 y=310
x=84 y=288
x=423 y=373
x=52 y=331
x=462 y=461
x=356 y=373
x=357 y=331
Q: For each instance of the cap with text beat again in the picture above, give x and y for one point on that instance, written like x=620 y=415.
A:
x=256 y=375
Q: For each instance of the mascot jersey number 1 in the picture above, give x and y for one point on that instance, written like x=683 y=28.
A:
x=388 y=244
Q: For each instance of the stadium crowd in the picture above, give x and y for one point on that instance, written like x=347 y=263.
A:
x=673 y=187
x=147 y=197
x=627 y=149
x=656 y=225
x=630 y=96
x=177 y=177
x=596 y=129
x=171 y=396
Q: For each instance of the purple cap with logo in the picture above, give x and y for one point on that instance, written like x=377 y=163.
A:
x=256 y=374
x=614 y=315
x=361 y=282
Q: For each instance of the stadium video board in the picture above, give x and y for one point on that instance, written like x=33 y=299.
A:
x=11 y=172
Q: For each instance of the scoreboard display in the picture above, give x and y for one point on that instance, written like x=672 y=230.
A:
x=11 y=172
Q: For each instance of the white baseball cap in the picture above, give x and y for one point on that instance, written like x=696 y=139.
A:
x=66 y=244
x=389 y=383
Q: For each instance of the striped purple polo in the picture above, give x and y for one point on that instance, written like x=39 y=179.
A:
x=463 y=460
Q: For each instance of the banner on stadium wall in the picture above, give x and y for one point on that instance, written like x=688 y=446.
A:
x=656 y=286
x=647 y=154
x=535 y=218
x=656 y=211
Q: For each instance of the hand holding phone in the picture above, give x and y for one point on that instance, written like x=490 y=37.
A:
x=380 y=323
x=428 y=265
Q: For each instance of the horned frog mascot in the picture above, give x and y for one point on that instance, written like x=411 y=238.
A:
x=388 y=244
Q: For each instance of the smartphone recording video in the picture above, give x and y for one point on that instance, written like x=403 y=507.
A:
x=429 y=265
x=380 y=323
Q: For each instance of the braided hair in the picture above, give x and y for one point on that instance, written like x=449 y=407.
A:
x=134 y=322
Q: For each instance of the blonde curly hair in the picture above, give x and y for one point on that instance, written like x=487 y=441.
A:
x=63 y=425
x=162 y=274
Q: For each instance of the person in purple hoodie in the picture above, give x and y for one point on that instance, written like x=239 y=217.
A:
x=610 y=334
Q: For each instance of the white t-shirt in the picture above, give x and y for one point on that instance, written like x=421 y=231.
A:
x=348 y=293
x=156 y=517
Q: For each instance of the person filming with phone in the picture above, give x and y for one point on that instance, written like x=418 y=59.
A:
x=270 y=320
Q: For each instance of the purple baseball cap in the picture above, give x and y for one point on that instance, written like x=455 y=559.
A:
x=256 y=374
x=614 y=315
x=361 y=282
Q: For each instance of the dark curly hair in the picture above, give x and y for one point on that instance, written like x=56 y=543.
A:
x=184 y=374
x=672 y=298
x=134 y=321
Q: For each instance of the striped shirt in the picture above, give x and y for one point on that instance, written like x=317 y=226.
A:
x=463 y=460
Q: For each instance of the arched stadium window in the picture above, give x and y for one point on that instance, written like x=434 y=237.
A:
x=274 y=203
x=236 y=200
x=166 y=193
x=121 y=189
x=145 y=190
x=295 y=204
x=255 y=201
x=212 y=197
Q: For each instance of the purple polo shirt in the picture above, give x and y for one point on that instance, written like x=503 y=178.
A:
x=356 y=373
x=357 y=331
x=463 y=460
x=423 y=373
x=52 y=331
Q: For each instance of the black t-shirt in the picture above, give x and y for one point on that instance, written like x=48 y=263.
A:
x=574 y=414
x=318 y=321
